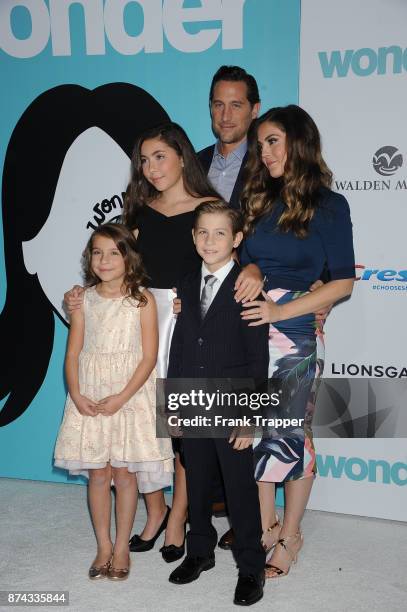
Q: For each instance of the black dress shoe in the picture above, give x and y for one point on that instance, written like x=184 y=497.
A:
x=191 y=568
x=173 y=553
x=137 y=544
x=249 y=589
x=227 y=540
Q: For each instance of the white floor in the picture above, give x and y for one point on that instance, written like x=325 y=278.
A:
x=348 y=564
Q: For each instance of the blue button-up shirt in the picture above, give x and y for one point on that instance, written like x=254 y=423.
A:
x=224 y=170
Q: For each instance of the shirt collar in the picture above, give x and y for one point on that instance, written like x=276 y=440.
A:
x=220 y=274
x=239 y=152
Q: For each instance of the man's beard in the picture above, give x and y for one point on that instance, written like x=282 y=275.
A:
x=229 y=138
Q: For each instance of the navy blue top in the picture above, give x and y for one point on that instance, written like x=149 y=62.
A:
x=295 y=263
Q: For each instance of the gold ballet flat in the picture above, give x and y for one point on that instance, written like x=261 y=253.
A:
x=99 y=571
x=115 y=573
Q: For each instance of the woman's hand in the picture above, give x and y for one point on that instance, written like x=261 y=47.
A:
x=264 y=312
x=176 y=303
x=322 y=314
x=248 y=284
x=108 y=406
x=73 y=299
x=85 y=406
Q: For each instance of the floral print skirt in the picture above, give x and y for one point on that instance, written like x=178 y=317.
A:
x=296 y=363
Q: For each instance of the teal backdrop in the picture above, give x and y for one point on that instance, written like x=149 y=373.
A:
x=178 y=79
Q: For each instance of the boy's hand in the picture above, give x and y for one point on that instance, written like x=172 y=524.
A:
x=242 y=437
x=174 y=431
x=248 y=284
x=73 y=299
x=108 y=406
x=176 y=303
x=85 y=406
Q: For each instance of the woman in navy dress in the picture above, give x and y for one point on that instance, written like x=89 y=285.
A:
x=296 y=227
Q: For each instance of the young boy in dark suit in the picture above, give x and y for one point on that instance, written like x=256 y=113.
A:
x=212 y=341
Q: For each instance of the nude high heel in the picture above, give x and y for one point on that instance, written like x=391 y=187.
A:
x=272 y=571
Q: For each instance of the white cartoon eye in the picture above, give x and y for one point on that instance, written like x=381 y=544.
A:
x=90 y=187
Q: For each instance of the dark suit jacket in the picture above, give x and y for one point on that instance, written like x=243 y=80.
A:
x=221 y=345
x=205 y=157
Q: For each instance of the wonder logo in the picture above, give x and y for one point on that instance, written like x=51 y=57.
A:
x=363 y=62
x=387 y=160
x=355 y=468
x=117 y=20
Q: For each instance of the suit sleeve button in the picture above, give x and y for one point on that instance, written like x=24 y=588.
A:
x=200 y=341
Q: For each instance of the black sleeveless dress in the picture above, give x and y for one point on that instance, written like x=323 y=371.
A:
x=168 y=253
x=166 y=246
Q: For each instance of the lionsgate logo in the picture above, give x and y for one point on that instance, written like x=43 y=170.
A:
x=386 y=161
x=362 y=370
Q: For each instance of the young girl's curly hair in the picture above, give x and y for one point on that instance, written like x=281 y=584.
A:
x=135 y=276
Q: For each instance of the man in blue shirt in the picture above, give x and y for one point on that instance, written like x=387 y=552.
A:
x=234 y=102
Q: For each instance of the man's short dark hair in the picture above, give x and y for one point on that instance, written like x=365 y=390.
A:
x=235 y=73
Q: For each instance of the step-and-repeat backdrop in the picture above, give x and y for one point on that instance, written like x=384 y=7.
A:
x=81 y=79
x=353 y=81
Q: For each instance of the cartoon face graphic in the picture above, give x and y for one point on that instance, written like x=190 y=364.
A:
x=94 y=174
x=66 y=167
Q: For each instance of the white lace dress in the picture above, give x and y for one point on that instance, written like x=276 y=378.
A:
x=110 y=354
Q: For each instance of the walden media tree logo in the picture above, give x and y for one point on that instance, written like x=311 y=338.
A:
x=387 y=160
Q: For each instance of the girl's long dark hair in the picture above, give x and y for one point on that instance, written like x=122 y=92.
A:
x=305 y=172
x=135 y=275
x=140 y=192
x=33 y=161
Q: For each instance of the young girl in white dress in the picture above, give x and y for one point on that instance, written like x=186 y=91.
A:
x=109 y=427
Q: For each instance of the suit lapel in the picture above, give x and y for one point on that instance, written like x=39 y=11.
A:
x=237 y=189
x=224 y=294
x=206 y=157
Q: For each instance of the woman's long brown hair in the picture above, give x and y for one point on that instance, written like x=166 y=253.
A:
x=135 y=276
x=305 y=172
x=140 y=192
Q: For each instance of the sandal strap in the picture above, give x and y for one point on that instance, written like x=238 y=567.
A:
x=275 y=569
x=275 y=524
x=285 y=541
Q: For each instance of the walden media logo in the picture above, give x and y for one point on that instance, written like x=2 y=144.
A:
x=363 y=62
x=356 y=468
x=387 y=160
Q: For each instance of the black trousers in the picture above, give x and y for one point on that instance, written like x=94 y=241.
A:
x=203 y=457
